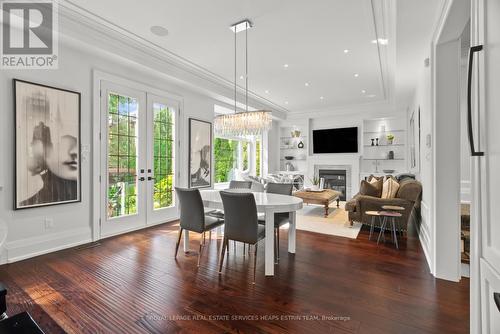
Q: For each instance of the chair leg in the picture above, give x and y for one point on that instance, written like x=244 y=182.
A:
x=254 y=262
x=178 y=242
x=210 y=235
x=224 y=246
x=200 y=251
x=275 y=248
x=204 y=238
x=244 y=249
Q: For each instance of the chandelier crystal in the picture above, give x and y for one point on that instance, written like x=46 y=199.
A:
x=250 y=123
x=247 y=123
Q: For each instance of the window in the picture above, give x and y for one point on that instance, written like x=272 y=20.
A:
x=258 y=154
x=226 y=159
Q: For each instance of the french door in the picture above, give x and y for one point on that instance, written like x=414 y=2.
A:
x=138 y=158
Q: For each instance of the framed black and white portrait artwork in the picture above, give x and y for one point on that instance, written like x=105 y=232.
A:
x=47 y=145
x=200 y=153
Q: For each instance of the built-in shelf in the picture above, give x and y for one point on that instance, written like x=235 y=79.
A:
x=387 y=131
x=383 y=159
x=384 y=145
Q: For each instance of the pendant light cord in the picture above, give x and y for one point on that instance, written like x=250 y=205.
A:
x=246 y=66
x=235 y=69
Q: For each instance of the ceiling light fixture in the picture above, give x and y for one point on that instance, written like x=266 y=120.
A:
x=381 y=41
x=159 y=31
x=247 y=123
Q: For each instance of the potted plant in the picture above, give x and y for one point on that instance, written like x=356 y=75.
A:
x=315 y=183
x=390 y=139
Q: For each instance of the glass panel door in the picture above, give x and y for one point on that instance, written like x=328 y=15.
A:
x=124 y=151
x=162 y=159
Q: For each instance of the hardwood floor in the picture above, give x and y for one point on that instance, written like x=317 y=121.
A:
x=133 y=284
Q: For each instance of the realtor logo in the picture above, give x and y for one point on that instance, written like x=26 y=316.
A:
x=29 y=34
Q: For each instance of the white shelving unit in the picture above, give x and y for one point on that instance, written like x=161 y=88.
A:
x=375 y=158
x=289 y=147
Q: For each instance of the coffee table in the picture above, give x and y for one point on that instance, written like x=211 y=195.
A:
x=324 y=197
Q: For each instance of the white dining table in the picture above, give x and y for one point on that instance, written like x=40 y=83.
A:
x=269 y=204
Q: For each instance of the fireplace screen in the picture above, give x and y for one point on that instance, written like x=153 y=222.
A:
x=336 y=180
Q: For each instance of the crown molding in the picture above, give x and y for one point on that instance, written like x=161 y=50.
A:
x=81 y=25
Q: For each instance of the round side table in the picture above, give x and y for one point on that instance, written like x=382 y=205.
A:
x=374 y=215
x=390 y=216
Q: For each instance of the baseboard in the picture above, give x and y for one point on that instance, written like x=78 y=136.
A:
x=165 y=221
x=424 y=235
x=30 y=247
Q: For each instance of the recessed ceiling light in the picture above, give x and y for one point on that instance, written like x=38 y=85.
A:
x=306 y=84
x=159 y=31
x=346 y=51
x=381 y=41
x=286 y=102
x=266 y=91
x=363 y=91
x=321 y=97
x=285 y=65
x=356 y=75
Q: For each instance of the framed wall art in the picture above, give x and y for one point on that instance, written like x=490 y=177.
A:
x=200 y=153
x=47 y=145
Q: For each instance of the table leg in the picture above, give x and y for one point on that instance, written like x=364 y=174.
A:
x=292 y=232
x=338 y=202
x=326 y=210
x=186 y=241
x=269 y=249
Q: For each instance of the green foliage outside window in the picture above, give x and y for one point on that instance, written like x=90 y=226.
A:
x=226 y=159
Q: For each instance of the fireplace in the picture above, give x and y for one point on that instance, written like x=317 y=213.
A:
x=335 y=179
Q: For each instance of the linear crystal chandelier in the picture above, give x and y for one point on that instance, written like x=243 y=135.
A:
x=246 y=123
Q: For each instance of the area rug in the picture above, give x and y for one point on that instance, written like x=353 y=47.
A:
x=311 y=218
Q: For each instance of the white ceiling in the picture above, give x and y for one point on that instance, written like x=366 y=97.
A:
x=309 y=36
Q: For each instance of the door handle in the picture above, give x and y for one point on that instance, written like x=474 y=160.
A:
x=473 y=151
x=142 y=178
x=496 y=297
x=150 y=178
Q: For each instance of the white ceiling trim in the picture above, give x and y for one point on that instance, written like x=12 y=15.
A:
x=183 y=71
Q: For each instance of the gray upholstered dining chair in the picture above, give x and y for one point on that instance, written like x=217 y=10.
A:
x=240 y=184
x=280 y=219
x=193 y=217
x=241 y=223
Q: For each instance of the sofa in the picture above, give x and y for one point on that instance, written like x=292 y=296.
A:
x=408 y=196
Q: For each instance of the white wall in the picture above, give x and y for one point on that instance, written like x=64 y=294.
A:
x=422 y=100
x=27 y=235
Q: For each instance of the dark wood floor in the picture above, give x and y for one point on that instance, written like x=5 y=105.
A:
x=132 y=284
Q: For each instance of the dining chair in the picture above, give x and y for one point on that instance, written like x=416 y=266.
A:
x=193 y=217
x=280 y=219
x=240 y=184
x=241 y=223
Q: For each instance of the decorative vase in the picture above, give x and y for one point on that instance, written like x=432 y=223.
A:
x=390 y=141
x=300 y=145
x=377 y=141
x=373 y=140
x=390 y=155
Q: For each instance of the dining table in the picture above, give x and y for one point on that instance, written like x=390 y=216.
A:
x=268 y=204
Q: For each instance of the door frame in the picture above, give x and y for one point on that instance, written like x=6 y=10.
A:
x=98 y=77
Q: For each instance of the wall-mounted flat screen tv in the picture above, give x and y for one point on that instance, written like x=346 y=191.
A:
x=341 y=140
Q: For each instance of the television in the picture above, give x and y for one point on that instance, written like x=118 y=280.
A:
x=340 y=140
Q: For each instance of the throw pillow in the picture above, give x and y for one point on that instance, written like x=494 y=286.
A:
x=390 y=188
x=377 y=183
x=368 y=189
